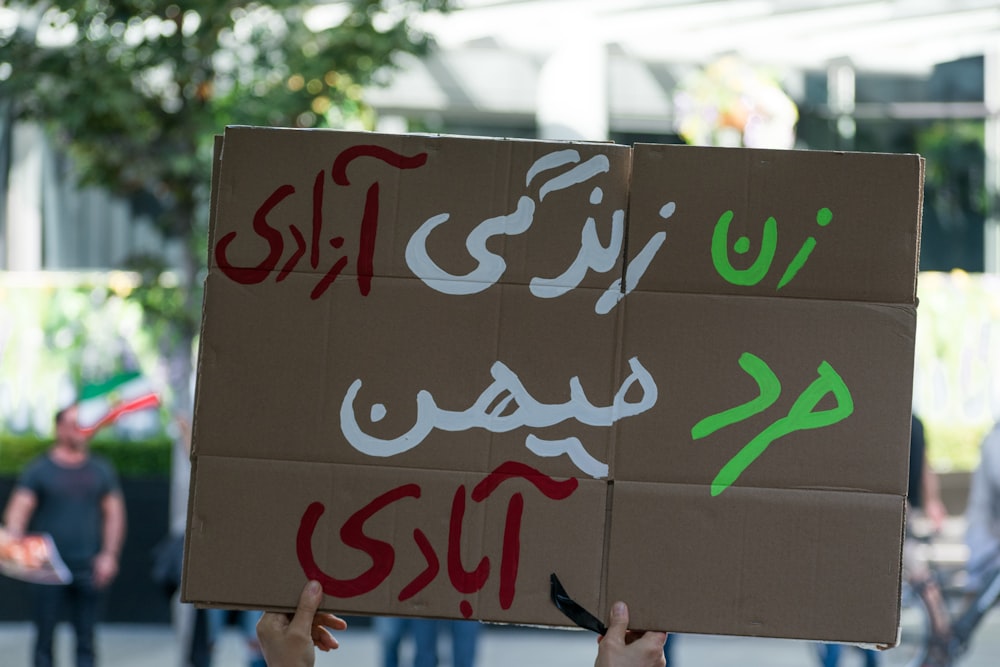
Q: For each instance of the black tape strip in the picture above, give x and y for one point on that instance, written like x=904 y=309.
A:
x=572 y=610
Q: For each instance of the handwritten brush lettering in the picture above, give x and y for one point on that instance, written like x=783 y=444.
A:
x=636 y=267
x=493 y=412
x=800 y=417
x=275 y=240
x=593 y=255
x=760 y=266
x=352 y=534
x=383 y=555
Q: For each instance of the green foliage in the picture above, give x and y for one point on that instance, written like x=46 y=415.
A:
x=137 y=89
x=954 y=447
x=955 y=184
x=150 y=458
x=171 y=314
x=68 y=336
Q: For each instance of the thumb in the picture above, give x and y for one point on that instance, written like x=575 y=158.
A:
x=309 y=601
x=619 y=622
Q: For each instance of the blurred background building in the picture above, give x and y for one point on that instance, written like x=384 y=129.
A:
x=870 y=75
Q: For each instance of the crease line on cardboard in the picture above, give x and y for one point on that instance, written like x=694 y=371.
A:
x=605 y=557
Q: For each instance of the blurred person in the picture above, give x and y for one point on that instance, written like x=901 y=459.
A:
x=197 y=630
x=464 y=640
x=829 y=655
x=75 y=497
x=924 y=491
x=390 y=631
x=247 y=621
x=982 y=534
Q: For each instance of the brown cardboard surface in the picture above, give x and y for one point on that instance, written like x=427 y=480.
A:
x=510 y=534
x=791 y=188
x=757 y=560
x=697 y=343
x=428 y=378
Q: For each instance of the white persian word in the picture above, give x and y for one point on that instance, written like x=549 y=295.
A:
x=592 y=256
x=506 y=405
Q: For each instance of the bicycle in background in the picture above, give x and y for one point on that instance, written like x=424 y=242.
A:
x=938 y=616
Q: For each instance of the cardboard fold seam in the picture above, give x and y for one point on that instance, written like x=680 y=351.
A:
x=746 y=488
x=899 y=305
x=605 y=604
x=610 y=481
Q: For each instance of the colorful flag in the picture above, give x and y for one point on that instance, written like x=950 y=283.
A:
x=102 y=403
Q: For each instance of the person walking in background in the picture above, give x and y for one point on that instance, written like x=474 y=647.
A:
x=75 y=497
x=924 y=493
x=247 y=621
x=197 y=630
x=390 y=631
x=464 y=640
x=982 y=534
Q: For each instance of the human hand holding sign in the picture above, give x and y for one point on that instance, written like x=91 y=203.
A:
x=621 y=647
x=290 y=642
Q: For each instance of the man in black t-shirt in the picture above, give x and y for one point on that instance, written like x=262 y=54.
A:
x=74 y=497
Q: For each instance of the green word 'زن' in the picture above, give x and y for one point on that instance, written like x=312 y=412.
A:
x=754 y=273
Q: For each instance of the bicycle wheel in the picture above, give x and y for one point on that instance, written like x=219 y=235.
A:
x=915 y=630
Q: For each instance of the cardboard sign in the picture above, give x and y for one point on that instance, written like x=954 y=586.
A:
x=436 y=370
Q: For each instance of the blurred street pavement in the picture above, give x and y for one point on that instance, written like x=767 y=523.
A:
x=123 y=645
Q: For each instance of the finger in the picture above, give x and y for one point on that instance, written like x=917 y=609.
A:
x=619 y=622
x=328 y=620
x=323 y=640
x=311 y=596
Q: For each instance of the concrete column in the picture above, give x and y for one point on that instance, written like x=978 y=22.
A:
x=840 y=77
x=24 y=198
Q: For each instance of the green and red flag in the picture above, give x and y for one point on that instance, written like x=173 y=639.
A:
x=102 y=403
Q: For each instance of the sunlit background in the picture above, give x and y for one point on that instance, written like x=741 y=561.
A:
x=101 y=276
x=892 y=76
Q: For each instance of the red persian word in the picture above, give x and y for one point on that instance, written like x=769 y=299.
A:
x=384 y=556
x=276 y=242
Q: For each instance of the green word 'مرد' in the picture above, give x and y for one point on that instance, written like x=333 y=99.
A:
x=754 y=273
x=800 y=417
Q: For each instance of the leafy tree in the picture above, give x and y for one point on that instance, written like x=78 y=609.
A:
x=137 y=89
